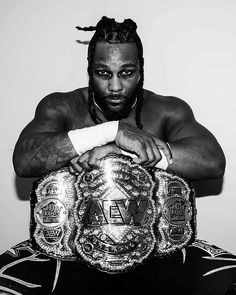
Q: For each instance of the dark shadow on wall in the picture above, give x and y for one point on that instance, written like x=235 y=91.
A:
x=210 y=187
x=86 y=42
x=23 y=187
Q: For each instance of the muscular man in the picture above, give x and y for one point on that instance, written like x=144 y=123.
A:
x=114 y=114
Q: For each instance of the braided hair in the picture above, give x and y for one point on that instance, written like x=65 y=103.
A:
x=108 y=30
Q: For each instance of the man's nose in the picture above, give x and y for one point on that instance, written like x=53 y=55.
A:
x=115 y=84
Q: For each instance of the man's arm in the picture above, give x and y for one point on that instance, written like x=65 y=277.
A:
x=196 y=152
x=43 y=145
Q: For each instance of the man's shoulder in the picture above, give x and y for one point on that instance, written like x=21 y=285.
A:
x=64 y=100
x=78 y=94
x=163 y=103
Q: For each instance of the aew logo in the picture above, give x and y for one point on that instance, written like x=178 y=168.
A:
x=52 y=235
x=116 y=212
x=52 y=189
x=175 y=188
x=176 y=233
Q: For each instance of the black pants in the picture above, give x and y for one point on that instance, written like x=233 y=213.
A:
x=198 y=269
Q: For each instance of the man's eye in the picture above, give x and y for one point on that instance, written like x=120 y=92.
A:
x=102 y=73
x=126 y=73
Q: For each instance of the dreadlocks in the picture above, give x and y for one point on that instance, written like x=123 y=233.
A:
x=108 y=30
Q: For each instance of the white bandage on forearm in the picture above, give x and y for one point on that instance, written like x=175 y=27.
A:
x=87 y=138
x=162 y=164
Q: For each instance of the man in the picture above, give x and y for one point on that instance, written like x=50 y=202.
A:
x=116 y=115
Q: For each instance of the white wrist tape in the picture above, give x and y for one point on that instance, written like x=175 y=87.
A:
x=132 y=155
x=87 y=138
x=162 y=164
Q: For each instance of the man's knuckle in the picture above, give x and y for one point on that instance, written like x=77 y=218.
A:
x=79 y=162
x=141 y=145
x=93 y=151
x=152 y=158
x=90 y=161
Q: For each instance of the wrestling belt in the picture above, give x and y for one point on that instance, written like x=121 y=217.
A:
x=113 y=217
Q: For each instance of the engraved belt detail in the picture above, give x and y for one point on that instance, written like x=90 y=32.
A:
x=176 y=213
x=114 y=216
x=53 y=214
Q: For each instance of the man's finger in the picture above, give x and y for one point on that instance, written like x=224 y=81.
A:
x=165 y=148
x=74 y=171
x=97 y=154
x=151 y=155
x=157 y=155
x=83 y=161
x=141 y=153
x=74 y=167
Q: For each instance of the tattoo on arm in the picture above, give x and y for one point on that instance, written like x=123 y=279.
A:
x=43 y=152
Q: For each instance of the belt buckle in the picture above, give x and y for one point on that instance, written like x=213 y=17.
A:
x=115 y=214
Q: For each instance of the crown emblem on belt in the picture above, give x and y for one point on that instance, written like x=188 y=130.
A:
x=51 y=213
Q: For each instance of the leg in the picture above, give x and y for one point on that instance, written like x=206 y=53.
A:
x=210 y=269
x=199 y=269
x=26 y=271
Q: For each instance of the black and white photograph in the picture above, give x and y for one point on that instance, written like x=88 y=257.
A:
x=117 y=147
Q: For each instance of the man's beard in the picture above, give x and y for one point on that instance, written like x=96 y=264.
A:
x=110 y=115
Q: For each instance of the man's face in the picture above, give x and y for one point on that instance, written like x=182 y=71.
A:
x=116 y=74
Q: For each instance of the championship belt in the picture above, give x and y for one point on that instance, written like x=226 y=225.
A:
x=52 y=220
x=115 y=216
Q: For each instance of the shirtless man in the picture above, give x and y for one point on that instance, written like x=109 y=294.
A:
x=112 y=115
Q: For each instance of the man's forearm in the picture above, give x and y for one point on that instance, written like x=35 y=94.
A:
x=36 y=154
x=197 y=158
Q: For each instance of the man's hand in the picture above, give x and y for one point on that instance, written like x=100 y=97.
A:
x=90 y=158
x=128 y=138
x=143 y=144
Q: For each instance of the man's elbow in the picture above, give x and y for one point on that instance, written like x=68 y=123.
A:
x=21 y=168
x=218 y=167
x=21 y=173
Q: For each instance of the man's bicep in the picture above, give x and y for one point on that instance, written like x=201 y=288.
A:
x=181 y=123
x=48 y=118
x=43 y=145
x=187 y=129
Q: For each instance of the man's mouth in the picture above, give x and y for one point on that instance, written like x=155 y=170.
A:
x=115 y=100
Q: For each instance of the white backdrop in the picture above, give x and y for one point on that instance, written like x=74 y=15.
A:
x=189 y=52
